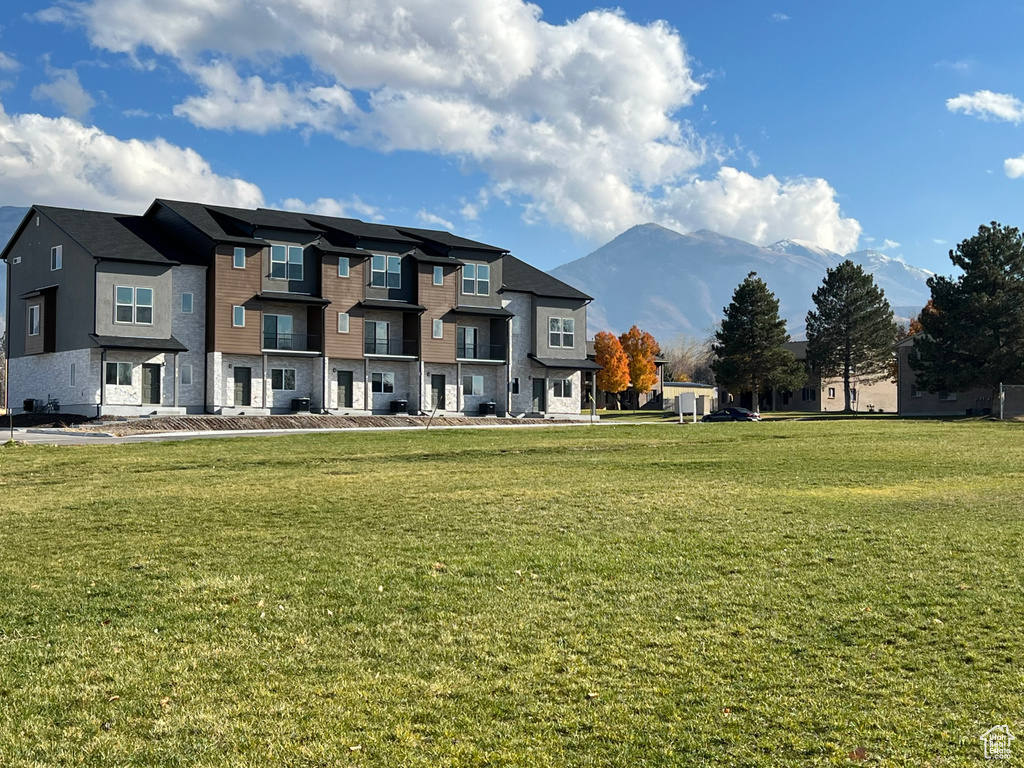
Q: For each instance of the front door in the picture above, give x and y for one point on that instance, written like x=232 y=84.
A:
x=151 y=383
x=243 y=386
x=344 y=389
x=437 y=390
x=539 y=392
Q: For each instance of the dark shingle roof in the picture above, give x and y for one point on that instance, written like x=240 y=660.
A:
x=118 y=237
x=520 y=276
x=573 y=365
x=449 y=240
x=170 y=344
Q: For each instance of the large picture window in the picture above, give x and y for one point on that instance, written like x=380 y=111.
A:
x=119 y=374
x=562 y=332
x=472 y=385
x=385 y=271
x=561 y=387
x=476 y=279
x=382 y=382
x=133 y=305
x=277 y=332
x=286 y=262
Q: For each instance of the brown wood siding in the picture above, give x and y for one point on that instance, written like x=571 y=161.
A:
x=344 y=294
x=233 y=287
x=439 y=301
x=34 y=345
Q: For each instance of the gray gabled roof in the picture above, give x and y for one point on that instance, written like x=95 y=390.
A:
x=117 y=237
x=517 y=275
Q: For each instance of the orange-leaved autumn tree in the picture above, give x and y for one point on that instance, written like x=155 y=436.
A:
x=915 y=323
x=641 y=349
x=608 y=352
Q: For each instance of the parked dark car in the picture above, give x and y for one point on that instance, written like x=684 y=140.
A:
x=732 y=414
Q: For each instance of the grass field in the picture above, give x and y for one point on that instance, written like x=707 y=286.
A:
x=737 y=594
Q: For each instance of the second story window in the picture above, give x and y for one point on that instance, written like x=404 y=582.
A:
x=277 y=332
x=343 y=266
x=438 y=275
x=238 y=316
x=33 y=320
x=186 y=303
x=385 y=271
x=286 y=262
x=562 y=332
x=133 y=305
x=476 y=280
x=56 y=257
x=238 y=261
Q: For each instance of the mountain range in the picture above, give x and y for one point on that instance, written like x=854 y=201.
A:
x=671 y=284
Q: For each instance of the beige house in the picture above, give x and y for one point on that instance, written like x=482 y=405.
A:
x=917 y=402
x=705 y=395
x=826 y=396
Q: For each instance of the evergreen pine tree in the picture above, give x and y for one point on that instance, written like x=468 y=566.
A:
x=974 y=334
x=748 y=346
x=852 y=331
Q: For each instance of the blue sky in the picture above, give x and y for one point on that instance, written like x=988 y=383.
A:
x=546 y=129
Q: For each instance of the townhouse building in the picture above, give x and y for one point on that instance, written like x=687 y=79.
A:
x=193 y=308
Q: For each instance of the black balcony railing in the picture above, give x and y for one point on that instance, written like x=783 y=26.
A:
x=292 y=342
x=403 y=347
x=480 y=351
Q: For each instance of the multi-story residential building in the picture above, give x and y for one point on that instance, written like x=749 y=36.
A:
x=195 y=308
x=819 y=395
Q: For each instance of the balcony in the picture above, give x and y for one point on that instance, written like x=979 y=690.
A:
x=391 y=347
x=488 y=352
x=291 y=342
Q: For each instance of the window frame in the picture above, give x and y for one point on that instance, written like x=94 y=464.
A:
x=438 y=275
x=185 y=375
x=564 y=335
x=343 y=260
x=471 y=276
x=288 y=262
x=471 y=389
x=191 y=303
x=237 y=311
x=35 y=319
x=347 y=322
x=561 y=388
x=135 y=305
x=437 y=328
x=515 y=385
x=284 y=379
x=390 y=260
x=71 y=375
x=118 y=367
x=380 y=380
x=461 y=332
x=56 y=258
x=237 y=263
x=375 y=337
x=831 y=393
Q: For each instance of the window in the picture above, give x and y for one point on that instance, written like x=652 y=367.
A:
x=515 y=386
x=476 y=279
x=277 y=332
x=914 y=391
x=343 y=322
x=515 y=324
x=853 y=395
x=71 y=376
x=831 y=393
x=561 y=332
x=438 y=275
x=33 y=320
x=286 y=262
x=807 y=394
x=561 y=387
x=343 y=266
x=186 y=303
x=786 y=395
x=239 y=259
x=119 y=374
x=472 y=385
x=466 y=342
x=282 y=378
x=382 y=382
x=376 y=337
x=947 y=396
x=438 y=330
x=385 y=271
x=133 y=305
x=186 y=375
x=238 y=316
x=56 y=257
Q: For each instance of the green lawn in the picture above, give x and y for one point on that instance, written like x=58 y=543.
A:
x=730 y=594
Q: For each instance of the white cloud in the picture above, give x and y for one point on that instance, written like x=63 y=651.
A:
x=761 y=210
x=988 y=106
x=937 y=241
x=1014 y=167
x=8 y=63
x=888 y=245
x=328 y=206
x=66 y=91
x=62 y=162
x=433 y=219
x=578 y=123
x=779 y=17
